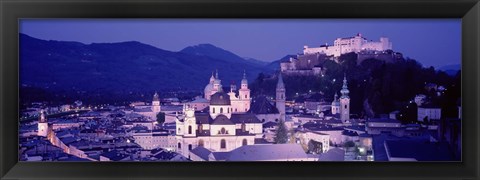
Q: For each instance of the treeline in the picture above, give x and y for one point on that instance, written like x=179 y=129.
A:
x=376 y=87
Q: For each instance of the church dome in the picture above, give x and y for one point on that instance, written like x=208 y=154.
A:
x=220 y=98
x=208 y=88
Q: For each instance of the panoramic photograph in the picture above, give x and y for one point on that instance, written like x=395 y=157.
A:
x=169 y=90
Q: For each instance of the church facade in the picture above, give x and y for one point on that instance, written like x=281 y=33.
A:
x=226 y=126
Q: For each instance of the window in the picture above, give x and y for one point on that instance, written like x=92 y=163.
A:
x=244 y=127
x=223 y=131
x=214 y=110
x=228 y=110
x=223 y=144
x=189 y=129
x=244 y=142
x=179 y=146
x=221 y=110
x=245 y=96
x=189 y=147
x=200 y=142
x=345 y=106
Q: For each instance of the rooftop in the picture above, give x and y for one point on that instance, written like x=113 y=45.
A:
x=271 y=152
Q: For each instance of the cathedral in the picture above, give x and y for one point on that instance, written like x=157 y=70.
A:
x=226 y=126
x=239 y=103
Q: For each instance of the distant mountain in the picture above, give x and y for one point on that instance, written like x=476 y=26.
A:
x=451 y=69
x=255 y=61
x=212 y=51
x=125 y=66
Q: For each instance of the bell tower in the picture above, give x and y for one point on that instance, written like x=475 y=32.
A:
x=280 y=97
x=42 y=124
x=345 y=102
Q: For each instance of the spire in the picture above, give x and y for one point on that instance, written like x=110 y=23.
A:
x=212 y=78
x=280 y=84
x=344 y=90
x=244 y=80
x=155 y=96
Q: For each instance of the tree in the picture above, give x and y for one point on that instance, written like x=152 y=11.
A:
x=281 y=137
x=161 y=117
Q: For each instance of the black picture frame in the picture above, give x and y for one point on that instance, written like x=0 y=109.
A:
x=467 y=10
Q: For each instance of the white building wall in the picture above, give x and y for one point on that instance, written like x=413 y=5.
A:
x=432 y=113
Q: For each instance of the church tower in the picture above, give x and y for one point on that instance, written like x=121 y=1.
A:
x=280 y=97
x=244 y=95
x=345 y=102
x=42 y=125
x=156 y=103
x=190 y=123
x=217 y=84
x=335 y=105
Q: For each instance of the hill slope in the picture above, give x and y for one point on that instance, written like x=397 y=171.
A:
x=120 y=67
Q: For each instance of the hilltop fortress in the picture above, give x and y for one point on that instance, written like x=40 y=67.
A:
x=309 y=63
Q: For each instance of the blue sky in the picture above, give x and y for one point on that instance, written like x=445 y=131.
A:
x=433 y=42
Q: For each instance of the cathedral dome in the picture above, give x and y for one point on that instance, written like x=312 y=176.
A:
x=220 y=98
x=208 y=88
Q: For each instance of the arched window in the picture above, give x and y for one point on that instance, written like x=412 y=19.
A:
x=223 y=131
x=345 y=106
x=179 y=146
x=214 y=110
x=189 y=147
x=245 y=96
x=236 y=110
x=200 y=142
x=223 y=144
x=189 y=129
x=228 y=110
x=244 y=142
x=221 y=110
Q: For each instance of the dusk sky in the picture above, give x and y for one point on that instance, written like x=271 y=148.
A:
x=433 y=42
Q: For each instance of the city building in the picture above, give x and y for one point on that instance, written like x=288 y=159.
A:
x=350 y=44
x=226 y=125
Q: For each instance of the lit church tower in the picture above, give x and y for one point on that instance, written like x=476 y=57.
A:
x=42 y=124
x=280 y=97
x=344 y=102
x=190 y=127
x=217 y=84
x=335 y=105
x=244 y=92
x=156 y=103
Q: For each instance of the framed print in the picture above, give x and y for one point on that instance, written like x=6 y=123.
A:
x=231 y=89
